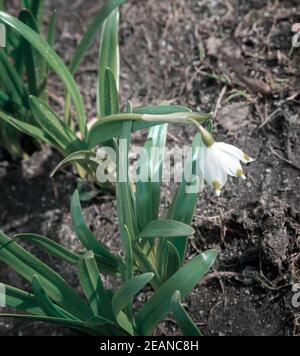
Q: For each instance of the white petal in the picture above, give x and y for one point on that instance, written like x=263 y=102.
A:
x=209 y=165
x=230 y=164
x=234 y=151
x=221 y=175
x=212 y=169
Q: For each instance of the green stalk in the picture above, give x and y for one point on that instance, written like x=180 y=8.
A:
x=177 y=118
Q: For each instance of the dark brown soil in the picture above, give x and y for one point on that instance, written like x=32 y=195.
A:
x=195 y=53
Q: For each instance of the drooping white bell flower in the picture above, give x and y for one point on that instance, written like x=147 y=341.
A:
x=219 y=161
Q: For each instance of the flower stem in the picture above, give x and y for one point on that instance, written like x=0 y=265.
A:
x=175 y=118
x=206 y=136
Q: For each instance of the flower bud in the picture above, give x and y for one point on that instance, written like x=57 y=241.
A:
x=206 y=137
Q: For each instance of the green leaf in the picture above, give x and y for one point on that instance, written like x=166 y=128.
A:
x=109 y=67
x=11 y=80
x=109 y=96
x=108 y=127
x=146 y=265
x=55 y=62
x=28 y=52
x=4 y=98
x=72 y=324
x=161 y=109
x=184 y=203
x=157 y=307
x=85 y=235
x=92 y=31
x=104 y=130
x=148 y=188
x=43 y=90
x=10 y=140
x=168 y=259
x=52 y=29
x=49 y=308
x=51 y=247
x=26 y=302
x=106 y=328
x=26 y=265
x=126 y=213
x=54 y=127
x=184 y=321
x=88 y=157
x=127 y=240
x=25 y=4
x=93 y=287
x=165 y=228
x=22 y=301
x=35 y=64
x=28 y=129
x=124 y=294
x=37 y=8
x=124 y=193
x=12 y=43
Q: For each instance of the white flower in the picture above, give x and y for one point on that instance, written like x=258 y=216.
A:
x=221 y=160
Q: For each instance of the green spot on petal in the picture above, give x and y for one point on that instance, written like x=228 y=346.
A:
x=217 y=187
x=247 y=158
x=240 y=174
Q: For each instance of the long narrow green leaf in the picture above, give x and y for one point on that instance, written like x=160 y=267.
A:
x=25 y=4
x=72 y=324
x=44 y=302
x=160 y=109
x=184 y=321
x=10 y=140
x=13 y=41
x=37 y=8
x=128 y=290
x=158 y=306
x=26 y=265
x=107 y=328
x=184 y=203
x=106 y=129
x=125 y=203
x=55 y=62
x=85 y=156
x=126 y=213
x=129 y=258
x=28 y=129
x=52 y=29
x=11 y=79
x=98 y=327
x=148 y=190
x=85 y=235
x=92 y=31
x=168 y=259
x=103 y=131
x=93 y=287
x=165 y=228
x=50 y=247
x=109 y=66
x=4 y=98
x=43 y=90
x=35 y=64
x=28 y=52
x=109 y=96
x=54 y=127
x=22 y=301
